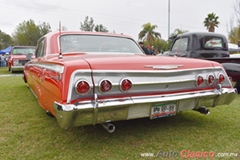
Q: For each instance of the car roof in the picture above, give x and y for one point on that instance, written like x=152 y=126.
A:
x=201 y=33
x=86 y=33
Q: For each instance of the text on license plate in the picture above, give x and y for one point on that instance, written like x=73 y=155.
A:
x=163 y=110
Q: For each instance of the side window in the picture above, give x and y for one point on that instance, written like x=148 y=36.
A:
x=40 y=49
x=180 y=44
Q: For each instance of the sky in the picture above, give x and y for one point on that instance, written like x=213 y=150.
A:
x=119 y=16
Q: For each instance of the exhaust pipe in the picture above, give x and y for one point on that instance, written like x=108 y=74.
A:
x=203 y=110
x=109 y=127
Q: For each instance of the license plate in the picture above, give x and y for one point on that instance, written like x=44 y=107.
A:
x=163 y=110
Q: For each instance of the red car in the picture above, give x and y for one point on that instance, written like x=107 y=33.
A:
x=18 y=56
x=88 y=78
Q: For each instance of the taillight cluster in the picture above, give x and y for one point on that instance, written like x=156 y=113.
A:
x=125 y=85
x=210 y=79
x=82 y=87
x=105 y=85
x=221 y=78
x=199 y=80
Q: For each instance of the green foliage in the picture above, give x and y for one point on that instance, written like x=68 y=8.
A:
x=44 y=28
x=161 y=45
x=5 y=40
x=100 y=28
x=234 y=35
x=211 y=21
x=28 y=33
x=177 y=32
x=87 y=25
x=148 y=34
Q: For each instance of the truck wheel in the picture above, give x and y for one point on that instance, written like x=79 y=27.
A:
x=237 y=85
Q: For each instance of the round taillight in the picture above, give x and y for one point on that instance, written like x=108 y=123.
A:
x=210 y=79
x=199 y=81
x=105 y=85
x=221 y=78
x=82 y=87
x=125 y=85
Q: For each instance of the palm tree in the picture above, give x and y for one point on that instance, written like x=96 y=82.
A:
x=211 y=22
x=148 y=34
x=178 y=31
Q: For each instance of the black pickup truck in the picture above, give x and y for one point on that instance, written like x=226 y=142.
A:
x=209 y=46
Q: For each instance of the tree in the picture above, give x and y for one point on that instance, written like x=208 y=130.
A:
x=161 y=45
x=44 y=28
x=28 y=33
x=148 y=34
x=88 y=24
x=211 y=21
x=100 y=28
x=178 y=31
x=237 y=10
x=5 y=40
x=233 y=35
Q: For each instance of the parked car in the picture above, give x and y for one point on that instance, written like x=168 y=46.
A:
x=209 y=46
x=88 y=78
x=18 y=56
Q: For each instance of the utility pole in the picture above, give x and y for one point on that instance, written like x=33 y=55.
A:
x=168 y=18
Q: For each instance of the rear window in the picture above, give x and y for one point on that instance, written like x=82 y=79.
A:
x=212 y=42
x=22 y=50
x=96 y=43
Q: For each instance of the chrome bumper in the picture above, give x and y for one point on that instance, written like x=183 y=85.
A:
x=17 y=68
x=108 y=110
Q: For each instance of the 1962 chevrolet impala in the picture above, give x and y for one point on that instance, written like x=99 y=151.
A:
x=88 y=78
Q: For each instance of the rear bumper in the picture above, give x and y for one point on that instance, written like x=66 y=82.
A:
x=102 y=111
x=17 y=68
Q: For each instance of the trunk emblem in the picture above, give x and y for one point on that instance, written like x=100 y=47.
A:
x=163 y=67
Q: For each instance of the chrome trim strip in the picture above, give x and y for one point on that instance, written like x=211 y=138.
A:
x=157 y=71
x=164 y=67
x=53 y=67
x=163 y=82
x=147 y=71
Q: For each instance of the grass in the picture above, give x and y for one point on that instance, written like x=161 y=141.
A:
x=4 y=70
x=26 y=132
